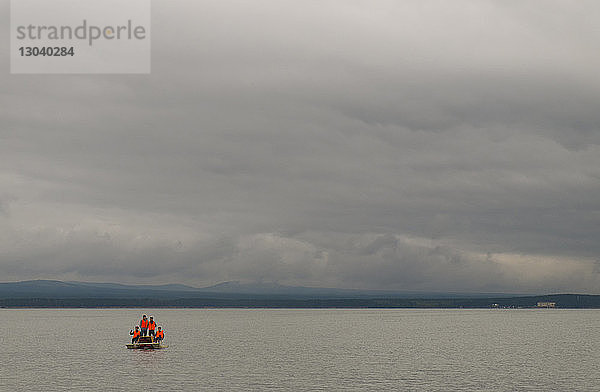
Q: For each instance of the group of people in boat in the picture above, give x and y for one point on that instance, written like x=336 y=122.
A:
x=147 y=327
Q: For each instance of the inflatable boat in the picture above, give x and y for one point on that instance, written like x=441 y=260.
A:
x=146 y=343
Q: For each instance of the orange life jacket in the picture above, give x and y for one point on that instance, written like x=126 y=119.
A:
x=160 y=334
x=144 y=323
x=136 y=334
x=152 y=325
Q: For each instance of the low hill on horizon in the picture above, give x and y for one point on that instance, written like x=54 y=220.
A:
x=71 y=289
x=59 y=294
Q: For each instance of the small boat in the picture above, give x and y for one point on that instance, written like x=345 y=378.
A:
x=146 y=343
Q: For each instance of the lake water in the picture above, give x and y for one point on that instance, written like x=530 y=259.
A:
x=303 y=350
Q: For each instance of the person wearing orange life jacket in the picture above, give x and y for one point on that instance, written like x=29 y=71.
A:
x=160 y=334
x=144 y=325
x=152 y=327
x=136 y=334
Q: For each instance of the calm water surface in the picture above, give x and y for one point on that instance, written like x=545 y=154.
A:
x=303 y=350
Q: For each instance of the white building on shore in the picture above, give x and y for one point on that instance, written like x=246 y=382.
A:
x=546 y=304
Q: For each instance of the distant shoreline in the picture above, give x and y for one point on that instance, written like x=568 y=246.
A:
x=559 y=301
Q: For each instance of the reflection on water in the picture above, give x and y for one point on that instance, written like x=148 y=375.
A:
x=302 y=350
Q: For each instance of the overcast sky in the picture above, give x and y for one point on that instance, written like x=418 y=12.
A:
x=418 y=145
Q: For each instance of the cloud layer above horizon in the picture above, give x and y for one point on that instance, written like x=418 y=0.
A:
x=418 y=145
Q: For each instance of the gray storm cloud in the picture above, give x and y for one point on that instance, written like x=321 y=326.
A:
x=398 y=145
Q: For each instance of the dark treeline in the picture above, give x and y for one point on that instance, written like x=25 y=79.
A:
x=562 y=301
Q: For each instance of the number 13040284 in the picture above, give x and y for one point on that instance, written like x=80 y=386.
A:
x=50 y=51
